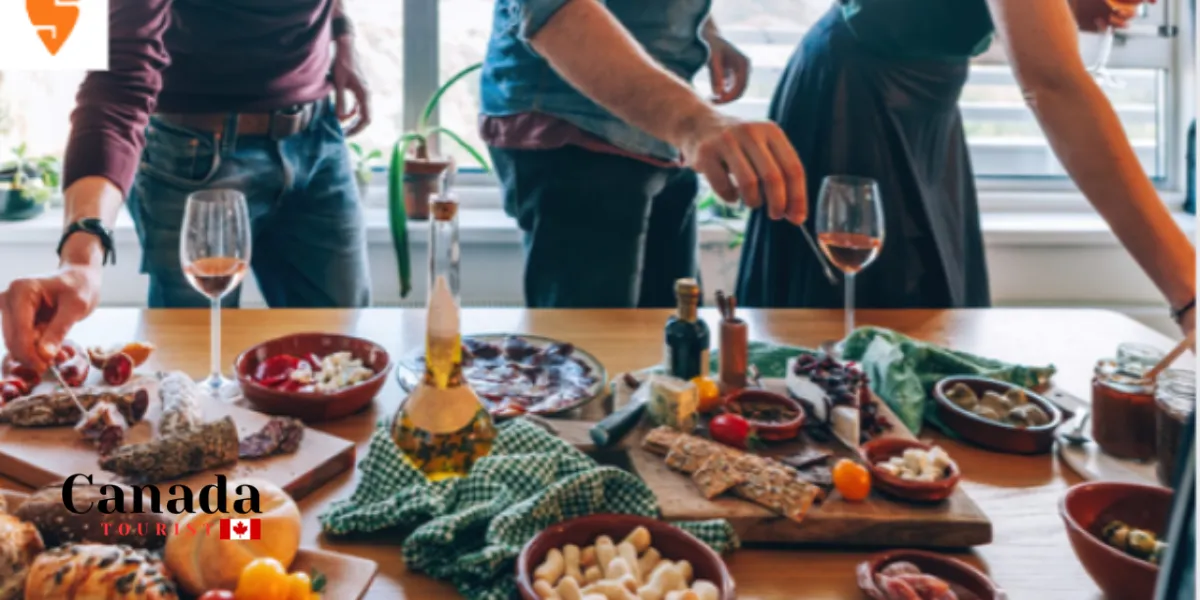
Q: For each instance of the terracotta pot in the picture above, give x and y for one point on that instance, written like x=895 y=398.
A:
x=989 y=434
x=422 y=179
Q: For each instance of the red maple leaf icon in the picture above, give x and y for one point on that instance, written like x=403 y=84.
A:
x=240 y=529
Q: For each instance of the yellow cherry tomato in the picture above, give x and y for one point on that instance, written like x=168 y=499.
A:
x=299 y=586
x=851 y=479
x=709 y=393
x=262 y=579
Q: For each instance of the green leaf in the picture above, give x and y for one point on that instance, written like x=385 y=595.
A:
x=465 y=146
x=437 y=96
x=318 y=581
x=374 y=155
x=398 y=217
x=356 y=148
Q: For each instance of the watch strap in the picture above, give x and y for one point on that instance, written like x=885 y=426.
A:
x=1177 y=314
x=341 y=27
x=91 y=226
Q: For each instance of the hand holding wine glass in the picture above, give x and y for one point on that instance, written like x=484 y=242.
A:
x=849 y=228
x=214 y=249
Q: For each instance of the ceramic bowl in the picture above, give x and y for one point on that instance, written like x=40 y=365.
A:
x=991 y=434
x=312 y=406
x=965 y=581
x=771 y=431
x=1088 y=507
x=881 y=449
x=673 y=543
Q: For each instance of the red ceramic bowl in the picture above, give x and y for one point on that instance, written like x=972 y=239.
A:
x=1088 y=507
x=991 y=434
x=673 y=543
x=965 y=581
x=881 y=449
x=771 y=431
x=312 y=406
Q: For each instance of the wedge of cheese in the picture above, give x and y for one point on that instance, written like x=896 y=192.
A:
x=673 y=402
x=846 y=425
x=805 y=389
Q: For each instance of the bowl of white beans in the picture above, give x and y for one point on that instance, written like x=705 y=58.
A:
x=620 y=557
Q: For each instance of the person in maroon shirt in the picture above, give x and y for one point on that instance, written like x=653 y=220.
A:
x=232 y=94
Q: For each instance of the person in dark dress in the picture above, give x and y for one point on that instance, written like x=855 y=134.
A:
x=873 y=90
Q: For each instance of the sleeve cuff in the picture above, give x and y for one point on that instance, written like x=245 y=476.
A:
x=100 y=154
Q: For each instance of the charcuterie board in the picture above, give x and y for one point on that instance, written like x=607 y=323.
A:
x=347 y=577
x=42 y=456
x=955 y=523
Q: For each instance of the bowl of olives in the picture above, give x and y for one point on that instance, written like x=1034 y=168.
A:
x=997 y=415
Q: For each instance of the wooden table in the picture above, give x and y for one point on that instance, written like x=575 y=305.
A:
x=1030 y=557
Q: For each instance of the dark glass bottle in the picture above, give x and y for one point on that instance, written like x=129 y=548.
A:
x=1189 y=202
x=687 y=337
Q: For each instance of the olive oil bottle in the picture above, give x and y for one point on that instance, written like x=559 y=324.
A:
x=442 y=428
x=685 y=354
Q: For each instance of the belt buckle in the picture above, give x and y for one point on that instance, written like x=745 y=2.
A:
x=287 y=121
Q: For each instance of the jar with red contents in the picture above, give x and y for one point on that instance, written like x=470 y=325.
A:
x=1123 y=408
x=1176 y=400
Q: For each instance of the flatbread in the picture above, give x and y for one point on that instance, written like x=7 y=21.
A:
x=717 y=475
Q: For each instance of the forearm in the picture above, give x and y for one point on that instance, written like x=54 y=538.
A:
x=623 y=79
x=1087 y=137
x=89 y=197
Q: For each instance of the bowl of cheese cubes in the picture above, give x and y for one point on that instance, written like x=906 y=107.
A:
x=620 y=556
x=910 y=470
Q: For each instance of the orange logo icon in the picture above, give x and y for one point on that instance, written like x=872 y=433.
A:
x=54 y=20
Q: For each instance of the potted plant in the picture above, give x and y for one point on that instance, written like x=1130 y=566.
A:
x=364 y=161
x=26 y=185
x=414 y=172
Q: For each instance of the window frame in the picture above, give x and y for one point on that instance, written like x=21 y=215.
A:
x=1142 y=45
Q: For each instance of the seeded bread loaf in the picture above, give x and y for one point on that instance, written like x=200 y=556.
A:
x=58 y=525
x=20 y=543
x=98 y=572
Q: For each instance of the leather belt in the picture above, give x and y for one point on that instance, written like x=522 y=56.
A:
x=276 y=124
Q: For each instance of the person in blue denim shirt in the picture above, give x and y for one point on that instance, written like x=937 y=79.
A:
x=597 y=136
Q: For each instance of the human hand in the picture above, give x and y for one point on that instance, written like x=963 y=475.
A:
x=753 y=161
x=1095 y=16
x=37 y=312
x=728 y=69
x=348 y=77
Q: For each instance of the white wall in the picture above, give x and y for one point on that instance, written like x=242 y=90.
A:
x=1034 y=259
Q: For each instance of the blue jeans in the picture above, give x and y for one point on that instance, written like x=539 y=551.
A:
x=309 y=245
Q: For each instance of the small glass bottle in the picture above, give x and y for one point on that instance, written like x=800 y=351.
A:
x=1123 y=407
x=442 y=428
x=1176 y=401
x=443 y=243
x=686 y=337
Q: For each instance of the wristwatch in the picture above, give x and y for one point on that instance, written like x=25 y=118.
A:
x=91 y=226
x=341 y=27
x=1177 y=314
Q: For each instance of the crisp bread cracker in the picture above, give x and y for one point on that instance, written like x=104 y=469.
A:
x=716 y=476
x=688 y=453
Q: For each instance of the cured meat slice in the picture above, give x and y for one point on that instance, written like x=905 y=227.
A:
x=281 y=435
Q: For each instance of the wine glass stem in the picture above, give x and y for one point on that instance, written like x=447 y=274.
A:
x=849 y=304
x=215 y=337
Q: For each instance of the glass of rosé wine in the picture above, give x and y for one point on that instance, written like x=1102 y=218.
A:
x=1094 y=15
x=214 y=249
x=849 y=225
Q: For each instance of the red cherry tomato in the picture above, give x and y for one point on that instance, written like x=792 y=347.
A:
x=730 y=429
x=217 y=595
x=276 y=369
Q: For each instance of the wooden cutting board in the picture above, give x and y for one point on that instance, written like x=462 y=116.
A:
x=44 y=456
x=347 y=577
x=879 y=521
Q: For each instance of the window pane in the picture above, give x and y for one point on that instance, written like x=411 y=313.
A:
x=464 y=27
x=379 y=27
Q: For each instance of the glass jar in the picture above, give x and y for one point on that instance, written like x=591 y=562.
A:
x=1123 y=408
x=1175 y=400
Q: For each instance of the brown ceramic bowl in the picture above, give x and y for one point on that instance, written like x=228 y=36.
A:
x=991 y=434
x=673 y=543
x=771 y=431
x=311 y=406
x=1088 y=507
x=965 y=581
x=881 y=449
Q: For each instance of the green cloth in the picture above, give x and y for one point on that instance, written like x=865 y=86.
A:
x=902 y=371
x=469 y=530
x=938 y=29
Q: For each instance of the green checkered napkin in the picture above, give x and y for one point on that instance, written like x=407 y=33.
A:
x=470 y=530
x=902 y=370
